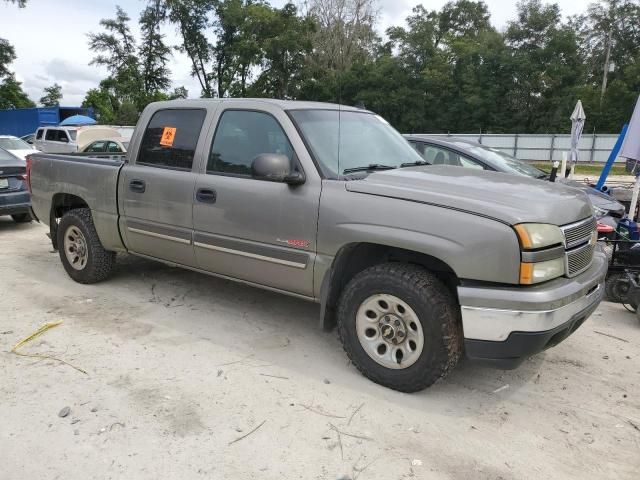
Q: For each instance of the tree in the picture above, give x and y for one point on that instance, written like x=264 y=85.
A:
x=192 y=20
x=179 y=93
x=116 y=50
x=609 y=39
x=153 y=52
x=7 y=56
x=345 y=32
x=52 y=96
x=103 y=103
x=12 y=95
x=286 y=45
x=20 y=3
x=138 y=75
x=545 y=64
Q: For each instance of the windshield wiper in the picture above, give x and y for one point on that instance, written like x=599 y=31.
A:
x=370 y=167
x=414 y=164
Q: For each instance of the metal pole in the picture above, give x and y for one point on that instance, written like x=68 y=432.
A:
x=515 y=146
x=612 y=158
x=551 y=148
x=593 y=145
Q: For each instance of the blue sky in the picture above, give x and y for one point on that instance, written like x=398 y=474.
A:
x=50 y=38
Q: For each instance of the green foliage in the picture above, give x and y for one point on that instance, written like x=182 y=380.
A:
x=444 y=70
x=12 y=95
x=52 y=96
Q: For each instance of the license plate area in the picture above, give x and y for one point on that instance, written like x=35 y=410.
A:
x=4 y=183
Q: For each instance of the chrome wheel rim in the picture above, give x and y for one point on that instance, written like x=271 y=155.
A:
x=389 y=331
x=75 y=248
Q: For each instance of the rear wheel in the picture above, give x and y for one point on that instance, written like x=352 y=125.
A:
x=400 y=326
x=82 y=255
x=22 y=218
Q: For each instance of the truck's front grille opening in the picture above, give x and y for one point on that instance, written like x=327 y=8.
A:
x=579 y=245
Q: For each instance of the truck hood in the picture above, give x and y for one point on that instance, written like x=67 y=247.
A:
x=507 y=198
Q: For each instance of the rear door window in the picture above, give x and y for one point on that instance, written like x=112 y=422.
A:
x=113 y=147
x=170 y=139
x=96 y=146
x=52 y=134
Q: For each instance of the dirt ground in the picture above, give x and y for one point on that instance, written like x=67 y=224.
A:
x=189 y=376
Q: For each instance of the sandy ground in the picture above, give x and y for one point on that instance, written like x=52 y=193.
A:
x=181 y=366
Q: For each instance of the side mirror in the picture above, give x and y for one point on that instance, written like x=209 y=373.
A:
x=273 y=167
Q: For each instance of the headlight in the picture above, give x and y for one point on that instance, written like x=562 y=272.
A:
x=537 y=238
x=600 y=212
x=531 y=273
x=539 y=235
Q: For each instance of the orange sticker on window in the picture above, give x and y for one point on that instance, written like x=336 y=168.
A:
x=168 y=136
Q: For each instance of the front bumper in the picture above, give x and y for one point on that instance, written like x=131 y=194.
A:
x=504 y=325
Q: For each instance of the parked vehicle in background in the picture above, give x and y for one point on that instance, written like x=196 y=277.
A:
x=14 y=196
x=331 y=204
x=119 y=145
x=71 y=139
x=16 y=146
x=29 y=138
x=469 y=154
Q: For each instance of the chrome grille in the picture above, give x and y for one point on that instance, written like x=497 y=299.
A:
x=578 y=233
x=579 y=259
x=580 y=245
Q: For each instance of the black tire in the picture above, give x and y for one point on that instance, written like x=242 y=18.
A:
x=617 y=287
x=22 y=218
x=436 y=309
x=100 y=262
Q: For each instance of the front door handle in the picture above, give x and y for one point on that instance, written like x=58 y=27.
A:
x=206 y=195
x=137 y=186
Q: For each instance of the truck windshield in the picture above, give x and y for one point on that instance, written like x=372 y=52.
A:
x=348 y=140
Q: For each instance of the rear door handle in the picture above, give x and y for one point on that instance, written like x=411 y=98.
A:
x=206 y=195
x=137 y=186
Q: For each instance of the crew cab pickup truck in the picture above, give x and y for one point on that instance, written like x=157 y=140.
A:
x=416 y=265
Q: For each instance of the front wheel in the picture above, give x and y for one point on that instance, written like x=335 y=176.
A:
x=400 y=326
x=82 y=255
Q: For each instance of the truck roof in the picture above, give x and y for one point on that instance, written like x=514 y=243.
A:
x=283 y=104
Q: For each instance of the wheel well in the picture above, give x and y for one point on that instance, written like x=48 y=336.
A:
x=354 y=258
x=60 y=204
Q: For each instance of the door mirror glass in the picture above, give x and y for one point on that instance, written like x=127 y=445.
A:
x=274 y=167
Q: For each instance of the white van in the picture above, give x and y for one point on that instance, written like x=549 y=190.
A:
x=71 y=139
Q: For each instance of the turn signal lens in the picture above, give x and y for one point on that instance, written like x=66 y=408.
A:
x=531 y=273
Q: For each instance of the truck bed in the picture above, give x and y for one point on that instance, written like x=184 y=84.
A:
x=56 y=180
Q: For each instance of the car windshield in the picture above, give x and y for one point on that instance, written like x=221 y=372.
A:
x=503 y=162
x=344 y=140
x=9 y=143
